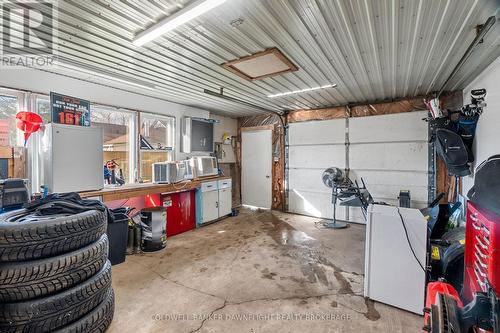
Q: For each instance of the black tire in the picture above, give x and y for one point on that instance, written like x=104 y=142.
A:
x=96 y=321
x=49 y=313
x=453 y=265
x=31 y=279
x=24 y=236
x=454 y=235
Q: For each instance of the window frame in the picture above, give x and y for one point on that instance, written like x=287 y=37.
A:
x=172 y=152
x=131 y=135
x=27 y=101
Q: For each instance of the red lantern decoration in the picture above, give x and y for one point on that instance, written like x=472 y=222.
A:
x=29 y=123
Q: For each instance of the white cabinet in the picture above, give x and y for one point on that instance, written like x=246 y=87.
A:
x=210 y=206
x=216 y=199
x=210 y=200
x=225 y=202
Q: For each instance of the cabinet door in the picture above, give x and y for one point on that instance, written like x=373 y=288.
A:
x=187 y=207
x=172 y=203
x=225 y=202
x=210 y=206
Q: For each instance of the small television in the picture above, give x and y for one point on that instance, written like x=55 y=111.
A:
x=197 y=135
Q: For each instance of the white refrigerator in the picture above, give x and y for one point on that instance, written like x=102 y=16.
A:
x=394 y=274
x=72 y=158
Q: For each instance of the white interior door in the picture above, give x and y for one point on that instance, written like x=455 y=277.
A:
x=256 y=168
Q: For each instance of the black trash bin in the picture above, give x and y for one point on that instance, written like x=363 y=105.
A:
x=117 y=235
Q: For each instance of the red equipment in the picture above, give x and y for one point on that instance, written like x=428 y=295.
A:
x=181 y=214
x=29 y=123
x=444 y=310
x=437 y=294
x=482 y=252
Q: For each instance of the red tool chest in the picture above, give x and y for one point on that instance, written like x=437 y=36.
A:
x=181 y=213
x=482 y=251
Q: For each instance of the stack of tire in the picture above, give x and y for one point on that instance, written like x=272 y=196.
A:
x=55 y=275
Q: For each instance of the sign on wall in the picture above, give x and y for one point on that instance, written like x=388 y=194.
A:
x=69 y=110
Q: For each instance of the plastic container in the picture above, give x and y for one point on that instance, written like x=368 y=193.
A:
x=117 y=234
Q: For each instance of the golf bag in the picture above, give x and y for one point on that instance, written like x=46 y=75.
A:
x=453 y=151
x=467 y=131
x=454 y=136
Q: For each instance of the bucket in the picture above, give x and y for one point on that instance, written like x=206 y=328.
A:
x=154 y=231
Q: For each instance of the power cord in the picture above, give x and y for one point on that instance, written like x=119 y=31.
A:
x=408 y=240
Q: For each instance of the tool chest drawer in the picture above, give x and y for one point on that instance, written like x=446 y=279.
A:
x=482 y=256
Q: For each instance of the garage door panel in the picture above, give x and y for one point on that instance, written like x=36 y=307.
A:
x=389 y=156
x=323 y=156
x=387 y=192
x=317 y=132
x=319 y=205
x=377 y=177
x=389 y=128
x=389 y=152
x=307 y=179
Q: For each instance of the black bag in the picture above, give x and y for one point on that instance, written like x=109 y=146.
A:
x=486 y=190
x=443 y=122
x=453 y=151
x=467 y=130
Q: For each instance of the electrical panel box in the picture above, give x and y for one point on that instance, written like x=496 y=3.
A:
x=72 y=158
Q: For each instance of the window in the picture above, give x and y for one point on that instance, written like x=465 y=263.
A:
x=10 y=136
x=120 y=129
x=156 y=142
x=12 y=152
x=118 y=136
x=43 y=109
x=41 y=105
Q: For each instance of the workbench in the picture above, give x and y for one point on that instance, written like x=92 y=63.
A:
x=139 y=190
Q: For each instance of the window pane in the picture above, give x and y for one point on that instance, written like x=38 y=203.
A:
x=157 y=142
x=157 y=131
x=43 y=109
x=9 y=106
x=147 y=160
x=116 y=130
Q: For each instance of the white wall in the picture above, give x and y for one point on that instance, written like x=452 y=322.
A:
x=486 y=142
x=225 y=125
x=44 y=82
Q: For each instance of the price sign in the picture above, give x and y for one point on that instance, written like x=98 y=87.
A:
x=69 y=110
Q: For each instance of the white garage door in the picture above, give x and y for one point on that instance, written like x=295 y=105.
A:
x=389 y=152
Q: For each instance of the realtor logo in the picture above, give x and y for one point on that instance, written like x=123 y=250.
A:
x=28 y=30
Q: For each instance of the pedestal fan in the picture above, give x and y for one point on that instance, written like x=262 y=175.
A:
x=334 y=178
x=349 y=194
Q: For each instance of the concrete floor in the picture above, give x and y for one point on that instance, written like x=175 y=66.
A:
x=258 y=272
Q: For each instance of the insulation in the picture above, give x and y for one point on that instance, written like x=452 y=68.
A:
x=318 y=114
x=408 y=105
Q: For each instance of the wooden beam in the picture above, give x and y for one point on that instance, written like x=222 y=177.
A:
x=257 y=128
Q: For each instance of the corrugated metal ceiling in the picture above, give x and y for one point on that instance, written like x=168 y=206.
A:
x=372 y=49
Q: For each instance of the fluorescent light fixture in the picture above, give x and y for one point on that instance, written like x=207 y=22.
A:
x=188 y=13
x=90 y=70
x=302 y=91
